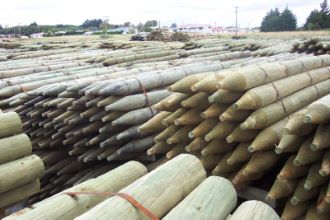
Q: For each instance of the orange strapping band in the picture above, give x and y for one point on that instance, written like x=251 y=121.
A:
x=146 y=95
x=129 y=198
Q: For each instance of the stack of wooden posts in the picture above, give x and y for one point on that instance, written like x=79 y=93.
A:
x=77 y=125
x=30 y=70
x=74 y=126
x=84 y=121
x=232 y=120
x=19 y=170
x=304 y=179
x=63 y=206
x=188 y=195
x=315 y=45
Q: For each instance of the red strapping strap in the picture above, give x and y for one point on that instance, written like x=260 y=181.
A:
x=146 y=95
x=129 y=198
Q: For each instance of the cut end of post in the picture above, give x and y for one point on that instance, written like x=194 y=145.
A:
x=307 y=185
x=187 y=148
x=177 y=122
x=150 y=152
x=236 y=106
x=230 y=161
x=313 y=147
x=169 y=155
x=140 y=129
x=249 y=123
x=112 y=157
x=184 y=104
x=169 y=141
x=224 y=117
x=207 y=138
x=296 y=162
x=210 y=99
x=203 y=115
x=193 y=88
x=251 y=148
x=191 y=135
x=229 y=139
x=164 y=123
x=205 y=152
x=323 y=172
x=243 y=126
x=246 y=172
x=294 y=200
x=86 y=160
x=269 y=198
x=278 y=150
x=307 y=119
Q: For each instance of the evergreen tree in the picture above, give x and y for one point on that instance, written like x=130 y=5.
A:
x=319 y=19
x=314 y=20
x=279 y=21
x=288 y=21
x=270 y=21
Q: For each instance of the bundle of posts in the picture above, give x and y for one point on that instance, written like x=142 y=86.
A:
x=316 y=45
x=78 y=125
x=83 y=120
x=233 y=119
x=26 y=71
x=304 y=178
x=188 y=195
x=19 y=170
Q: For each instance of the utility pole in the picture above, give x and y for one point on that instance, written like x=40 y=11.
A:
x=19 y=29
x=236 y=12
x=106 y=22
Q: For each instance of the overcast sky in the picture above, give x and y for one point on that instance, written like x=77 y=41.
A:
x=219 y=12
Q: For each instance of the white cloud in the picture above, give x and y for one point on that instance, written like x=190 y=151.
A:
x=220 y=12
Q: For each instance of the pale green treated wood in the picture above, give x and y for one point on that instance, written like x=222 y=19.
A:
x=14 y=147
x=204 y=202
x=19 y=172
x=63 y=206
x=10 y=124
x=16 y=195
x=254 y=210
x=159 y=191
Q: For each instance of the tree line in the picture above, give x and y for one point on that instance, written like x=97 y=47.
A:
x=275 y=20
x=87 y=25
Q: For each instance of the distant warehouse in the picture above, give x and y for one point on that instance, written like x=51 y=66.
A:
x=208 y=29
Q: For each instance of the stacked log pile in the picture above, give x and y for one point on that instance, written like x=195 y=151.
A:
x=19 y=170
x=74 y=126
x=30 y=70
x=62 y=206
x=316 y=45
x=304 y=179
x=233 y=121
x=85 y=121
x=188 y=195
x=77 y=126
